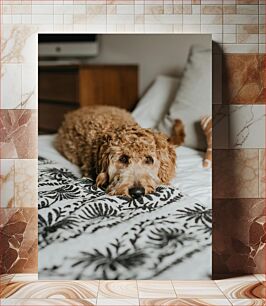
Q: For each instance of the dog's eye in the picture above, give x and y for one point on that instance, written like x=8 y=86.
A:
x=149 y=160
x=124 y=159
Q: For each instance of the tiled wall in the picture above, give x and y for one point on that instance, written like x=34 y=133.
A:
x=238 y=28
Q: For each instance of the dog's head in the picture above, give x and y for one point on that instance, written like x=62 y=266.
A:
x=133 y=161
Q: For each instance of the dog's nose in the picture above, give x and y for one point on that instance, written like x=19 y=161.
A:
x=136 y=192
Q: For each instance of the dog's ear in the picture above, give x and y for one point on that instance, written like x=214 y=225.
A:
x=102 y=161
x=167 y=157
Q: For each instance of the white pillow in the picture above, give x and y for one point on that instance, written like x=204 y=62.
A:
x=156 y=101
x=193 y=98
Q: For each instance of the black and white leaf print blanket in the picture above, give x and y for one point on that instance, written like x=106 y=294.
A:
x=86 y=234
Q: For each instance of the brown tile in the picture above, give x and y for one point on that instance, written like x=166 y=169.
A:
x=247 y=1
x=243 y=77
x=229 y=9
x=51 y=290
x=242 y=289
x=19 y=240
x=18 y=130
x=235 y=173
x=239 y=235
x=211 y=9
x=50 y=302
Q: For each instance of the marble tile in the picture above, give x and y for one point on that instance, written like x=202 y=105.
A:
x=19 y=240
x=117 y=302
x=7 y=183
x=155 y=289
x=118 y=289
x=248 y=302
x=51 y=290
x=247 y=38
x=211 y=9
x=26 y=183
x=260 y=277
x=247 y=9
x=229 y=9
x=48 y=302
x=242 y=289
x=19 y=44
x=183 y=302
x=29 y=86
x=235 y=173
x=262 y=177
x=243 y=79
x=248 y=29
x=239 y=242
x=197 y=289
x=10 y=83
x=240 y=49
x=18 y=130
x=247 y=126
x=247 y=1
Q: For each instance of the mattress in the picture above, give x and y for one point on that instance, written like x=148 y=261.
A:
x=82 y=247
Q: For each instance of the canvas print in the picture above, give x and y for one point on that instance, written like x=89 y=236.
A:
x=125 y=154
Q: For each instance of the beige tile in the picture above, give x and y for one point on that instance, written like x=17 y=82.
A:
x=248 y=302
x=155 y=289
x=7 y=183
x=48 y=302
x=247 y=9
x=183 y=302
x=247 y=38
x=117 y=302
x=229 y=38
x=197 y=289
x=240 y=48
x=26 y=183
x=153 y=9
x=118 y=290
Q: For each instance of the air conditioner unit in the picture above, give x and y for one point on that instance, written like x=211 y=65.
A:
x=68 y=45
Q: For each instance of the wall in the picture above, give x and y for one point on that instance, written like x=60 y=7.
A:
x=154 y=54
x=238 y=28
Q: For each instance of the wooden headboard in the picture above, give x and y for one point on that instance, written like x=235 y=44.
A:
x=65 y=88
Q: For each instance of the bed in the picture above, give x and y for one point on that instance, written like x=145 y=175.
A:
x=86 y=234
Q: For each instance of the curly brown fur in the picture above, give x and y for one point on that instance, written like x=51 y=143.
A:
x=112 y=148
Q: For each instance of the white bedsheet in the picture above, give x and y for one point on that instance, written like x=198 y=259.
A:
x=191 y=178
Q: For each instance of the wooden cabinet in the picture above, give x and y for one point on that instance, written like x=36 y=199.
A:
x=65 y=88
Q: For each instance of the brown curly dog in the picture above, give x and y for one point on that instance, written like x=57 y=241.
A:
x=112 y=148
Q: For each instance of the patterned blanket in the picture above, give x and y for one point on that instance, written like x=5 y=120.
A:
x=86 y=234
